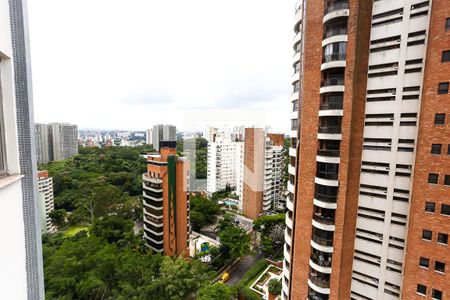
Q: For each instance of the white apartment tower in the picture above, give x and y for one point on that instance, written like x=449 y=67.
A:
x=225 y=160
x=21 y=271
x=164 y=136
x=42 y=143
x=45 y=186
x=63 y=139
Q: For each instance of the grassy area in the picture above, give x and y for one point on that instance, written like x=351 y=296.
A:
x=72 y=230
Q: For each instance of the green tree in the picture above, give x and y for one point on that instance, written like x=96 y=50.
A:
x=58 y=217
x=112 y=228
x=217 y=291
x=275 y=286
x=228 y=220
x=235 y=241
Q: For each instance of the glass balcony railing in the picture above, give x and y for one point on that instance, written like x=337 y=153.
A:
x=332 y=81
x=334 y=31
x=319 y=281
x=330 y=129
x=332 y=175
x=335 y=6
x=333 y=57
x=328 y=242
x=325 y=197
x=324 y=219
x=331 y=105
x=327 y=152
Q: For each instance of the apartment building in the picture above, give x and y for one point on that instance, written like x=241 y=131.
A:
x=42 y=143
x=164 y=136
x=21 y=272
x=63 y=139
x=368 y=190
x=263 y=169
x=166 y=203
x=149 y=136
x=224 y=164
x=46 y=201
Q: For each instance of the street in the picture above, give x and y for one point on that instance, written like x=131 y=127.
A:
x=239 y=270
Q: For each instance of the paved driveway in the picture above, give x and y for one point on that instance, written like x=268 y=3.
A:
x=239 y=270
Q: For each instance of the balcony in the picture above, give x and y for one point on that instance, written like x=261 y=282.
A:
x=325 y=197
x=332 y=129
x=330 y=32
x=332 y=82
x=327 y=242
x=328 y=152
x=316 y=279
x=335 y=6
x=323 y=219
x=331 y=175
x=334 y=57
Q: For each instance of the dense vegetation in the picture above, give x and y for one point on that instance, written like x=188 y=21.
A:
x=271 y=229
x=110 y=262
x=96 y=182
x=202 y=212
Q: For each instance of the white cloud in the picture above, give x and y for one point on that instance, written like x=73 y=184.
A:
x=133 y=63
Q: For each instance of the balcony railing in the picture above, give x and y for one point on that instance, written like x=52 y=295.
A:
x=335 y=6
x=333 y=57
x=330 y=129
x=326 y=152
x=334 y=31
x=313 y=295
x=322 y=241
x=332 y=175
x=325 y=197
x=321 y=260
x=332 y=81
x=331 y=105
x=322 y=282
x=326 y=220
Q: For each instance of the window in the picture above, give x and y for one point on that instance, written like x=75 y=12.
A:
x=427 y=234
x=430 y=206
x=445 y=209
x=445 y=56
x=442 y=238
x=447 y=180
x=439 y=266
x=424 y=262
x=433 y=178
x=439 y=119
x=2 y=137
x=421 y=289
x=443 y=88
x=436 y=294
x=447 y=24
x=436 y=148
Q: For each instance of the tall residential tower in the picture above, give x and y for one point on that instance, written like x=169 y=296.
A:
x=369 y=180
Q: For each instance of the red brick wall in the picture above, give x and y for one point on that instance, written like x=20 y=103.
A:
x=435 y=72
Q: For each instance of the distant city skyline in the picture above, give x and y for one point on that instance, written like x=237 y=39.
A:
x=87 y=75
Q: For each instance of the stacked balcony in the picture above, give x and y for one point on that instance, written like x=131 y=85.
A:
x=329 y=135
x=153 y=212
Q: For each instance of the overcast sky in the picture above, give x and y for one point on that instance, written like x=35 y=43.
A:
x=129 y=64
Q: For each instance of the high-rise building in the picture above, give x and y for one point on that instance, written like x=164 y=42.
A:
x=42 y=144
x=166 y=203
x=63 y=139
x=263 y=166
x=46 y=201
x=164 y=136
x=149 y=136
x=224 y=164
x=368 y=202
x=21 y=271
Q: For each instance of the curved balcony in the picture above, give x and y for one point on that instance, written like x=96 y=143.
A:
x=286 y=253
x=332 y=82
x=333 y=57
x=327 y=242
x=292 y=152
x=334 y=60
x=290 y=187
x=289 y=204
x=333 y=129
x=328 y=152
x=323 y=219
x=333 y=31
x=288 y=221
x=287 y=237
x=335 y=10
x=317 y=267
x=314 y=295
x=330 y=174
x=152 y=231
x=323 y=226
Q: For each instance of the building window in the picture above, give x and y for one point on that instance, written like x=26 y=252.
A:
x=445 y=56
x=442 y=238
x=439 y=266
x=445 y=209
x=424 y=262
x=443 y=88
x=447 y=24
x=436 y=295
x=436 y=148
x=439 y=119
x=433 y=178
x=427 y=234
x=430 y=206
x=448 y=149
x=421 y=289
x=447 y=180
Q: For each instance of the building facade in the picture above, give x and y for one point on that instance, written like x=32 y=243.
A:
x=149 y=136
x=224 y=164
x=164 y=136
x=42 y=143
x=21 y=272
x=46 y=201
x=362 y=180
x=263 y=169
x=166 y=203
x=63 y=139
